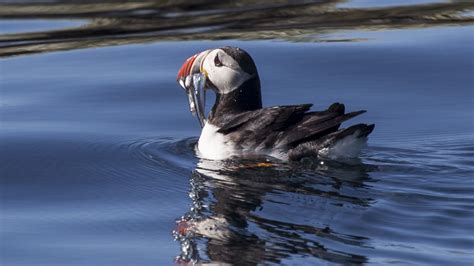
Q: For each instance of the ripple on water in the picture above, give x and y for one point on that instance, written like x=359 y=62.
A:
x=395 y=204
x=403 y=201
x=87 y=194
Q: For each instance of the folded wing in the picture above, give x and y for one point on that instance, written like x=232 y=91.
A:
x=283 y=127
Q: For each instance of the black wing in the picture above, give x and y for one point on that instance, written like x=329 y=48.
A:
x=283 y=126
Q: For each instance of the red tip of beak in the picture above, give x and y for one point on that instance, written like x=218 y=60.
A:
x=186 y=67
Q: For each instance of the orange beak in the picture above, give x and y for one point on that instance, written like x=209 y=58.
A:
x=186 y=68
x=192 y=65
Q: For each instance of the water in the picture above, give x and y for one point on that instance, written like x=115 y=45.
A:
x=21 y=26
x=98 y=164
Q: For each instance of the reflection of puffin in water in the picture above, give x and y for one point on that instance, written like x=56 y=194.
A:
x=238 y=125
x=228 y=221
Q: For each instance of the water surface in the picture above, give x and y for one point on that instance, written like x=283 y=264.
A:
x=98 y=164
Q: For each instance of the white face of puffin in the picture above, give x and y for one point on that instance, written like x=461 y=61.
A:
x=223 y=71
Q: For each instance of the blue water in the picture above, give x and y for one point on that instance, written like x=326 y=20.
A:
x=98 y=164
x=12 y=26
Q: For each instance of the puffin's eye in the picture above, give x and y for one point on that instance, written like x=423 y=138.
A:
x=217 y=62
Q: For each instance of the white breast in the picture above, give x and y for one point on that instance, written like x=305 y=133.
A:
x=213 y=145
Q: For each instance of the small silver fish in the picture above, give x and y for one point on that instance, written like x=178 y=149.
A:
x=194 y=87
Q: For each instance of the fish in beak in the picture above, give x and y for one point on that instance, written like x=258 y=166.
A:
x=192 y=77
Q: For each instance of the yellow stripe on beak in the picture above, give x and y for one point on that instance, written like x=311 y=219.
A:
x=203 y=71
x=201 y=65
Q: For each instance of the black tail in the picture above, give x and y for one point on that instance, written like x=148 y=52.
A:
x=312 y=148
x=362 y=130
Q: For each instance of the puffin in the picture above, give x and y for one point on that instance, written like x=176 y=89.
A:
x=238 y=126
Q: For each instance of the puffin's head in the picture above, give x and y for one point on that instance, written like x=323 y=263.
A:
x=225 y=70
